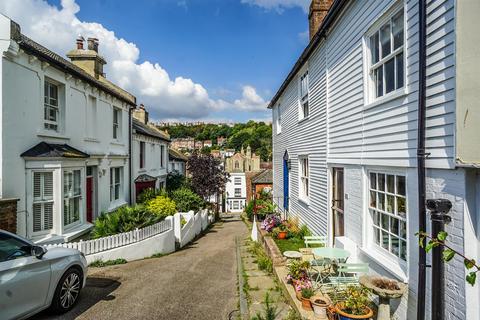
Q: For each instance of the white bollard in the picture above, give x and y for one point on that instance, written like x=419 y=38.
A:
x=254 y=235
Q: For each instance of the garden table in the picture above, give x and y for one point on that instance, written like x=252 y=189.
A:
x=331 y=253
x=326 y=258
x=292 y=254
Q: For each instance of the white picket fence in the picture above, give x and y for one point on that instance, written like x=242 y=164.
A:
x=119 y=240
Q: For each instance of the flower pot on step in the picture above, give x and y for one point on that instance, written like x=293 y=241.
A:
x=306 y=304
x=320 y=305
x=282 y=235
x=342 y=315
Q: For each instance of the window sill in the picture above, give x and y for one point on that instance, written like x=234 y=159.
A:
x=91 y=140
x=304 y=201
x=303 y=119
x=117 y=143
x=387 y=98
x=51 y=134
x=116 y=204
x=392 y=267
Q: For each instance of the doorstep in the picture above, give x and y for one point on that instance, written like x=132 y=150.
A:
x=71 y=234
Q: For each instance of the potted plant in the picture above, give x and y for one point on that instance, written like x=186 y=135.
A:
x=320 y=305
x=281 y=231
x=356 y=306
x=301 y=284
x=307 y=293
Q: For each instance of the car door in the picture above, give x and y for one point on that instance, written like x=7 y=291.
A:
x=24 y=279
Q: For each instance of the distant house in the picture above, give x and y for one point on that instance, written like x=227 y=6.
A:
x=221 y=141
x=183 y=143
x=216 y=154
x=236 y=192
x=149 y=154
x=177 y=162
x=65 y=136
x=346 y=124
x=243 y=162
x=207 y=143
x=198 y=145
x=262 y=182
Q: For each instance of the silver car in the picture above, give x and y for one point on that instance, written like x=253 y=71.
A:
x=33 y=279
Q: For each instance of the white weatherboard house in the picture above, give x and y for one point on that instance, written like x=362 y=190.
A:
x=57 y=156
x=236 y=192
x=345 y=131
x=149 y=154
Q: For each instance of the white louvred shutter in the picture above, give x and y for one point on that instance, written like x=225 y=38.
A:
x=37 y=217
x=37 y=185
x=48 y=216
x=47 y=185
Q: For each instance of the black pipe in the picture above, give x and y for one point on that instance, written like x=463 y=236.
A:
x=130 y=165
x=422 y=212
x=438 y=214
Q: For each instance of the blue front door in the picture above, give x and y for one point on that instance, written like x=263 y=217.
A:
x=286 y=184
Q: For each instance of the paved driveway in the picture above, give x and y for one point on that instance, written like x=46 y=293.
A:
x=198 y=282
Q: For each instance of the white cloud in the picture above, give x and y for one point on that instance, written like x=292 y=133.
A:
x=280 y=5
x=166 y=97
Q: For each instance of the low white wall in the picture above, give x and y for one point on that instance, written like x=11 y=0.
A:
x=196 y=223
x=162 y=243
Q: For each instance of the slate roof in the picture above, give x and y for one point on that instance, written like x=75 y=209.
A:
x=145 y=178
x=36 y=49
x=264 y=177
x=177 y=155
x=50 y=150
x=147 y=130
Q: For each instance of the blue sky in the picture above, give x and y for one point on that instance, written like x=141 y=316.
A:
x=223 y=46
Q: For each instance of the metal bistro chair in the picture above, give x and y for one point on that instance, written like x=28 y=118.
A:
x=348 y=275
x=316 y=240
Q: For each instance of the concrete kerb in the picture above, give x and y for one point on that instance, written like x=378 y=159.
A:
x=241 y=283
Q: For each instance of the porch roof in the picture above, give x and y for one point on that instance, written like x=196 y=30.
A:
x=50 y=150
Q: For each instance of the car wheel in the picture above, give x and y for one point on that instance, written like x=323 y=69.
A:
x=67 y=291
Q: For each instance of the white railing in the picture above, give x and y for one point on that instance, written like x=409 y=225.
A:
x=118 y=240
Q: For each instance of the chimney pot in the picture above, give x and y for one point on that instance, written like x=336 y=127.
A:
x=93 y=44
x=80 y=41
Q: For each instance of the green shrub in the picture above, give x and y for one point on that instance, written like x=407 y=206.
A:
x=249 y=210
x=161 y=206
x=149 y=194
x=123 y=219
x=176 y=181
x=186 y=200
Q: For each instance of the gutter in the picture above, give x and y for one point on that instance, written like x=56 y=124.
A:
x=130 y=181
x=330 y=18
x=422 y=212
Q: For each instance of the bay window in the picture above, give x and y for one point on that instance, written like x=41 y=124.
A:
x=388 y=210
x=42 y=201
x=72 y=193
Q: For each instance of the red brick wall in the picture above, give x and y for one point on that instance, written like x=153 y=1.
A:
x=259 y=188
x=8 y=215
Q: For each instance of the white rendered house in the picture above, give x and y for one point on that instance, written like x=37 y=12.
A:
x=63 y=163
x=236 y=192
x=149 y=154
x=345 y=132
x=177 y=162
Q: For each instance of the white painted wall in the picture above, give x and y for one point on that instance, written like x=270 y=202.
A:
x=230 y=192
x=179 y=166
x=22 y=128
x=152 y=166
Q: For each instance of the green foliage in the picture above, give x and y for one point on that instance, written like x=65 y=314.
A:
x=263 y=207
x=297 y=269
x=249 y=210
x=161 y=206
x=123 y=219
x=307 y=293
x=357 y=300
x=175 y=181
x=100 y=263
x=290 y=244
x=263 y=260
x=149 y=194
x=186 y=200
x=448 y=253
x=269 y=310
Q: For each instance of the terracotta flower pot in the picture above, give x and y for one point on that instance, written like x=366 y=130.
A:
x=306 y=304
x=298 y=294
x=346 y=316
x=282 y=235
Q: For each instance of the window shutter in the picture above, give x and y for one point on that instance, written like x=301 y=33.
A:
x=48 y=216
x=47 y=185
x=37 y=217
x=37 y=180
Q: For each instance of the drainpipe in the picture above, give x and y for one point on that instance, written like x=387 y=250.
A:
x=130 y=110
x=422 y=218
x=439 y=209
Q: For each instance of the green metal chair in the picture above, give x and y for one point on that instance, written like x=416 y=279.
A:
x=348 y=275
x=322 y=241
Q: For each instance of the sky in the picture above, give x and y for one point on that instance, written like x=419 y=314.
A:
x=186 y=60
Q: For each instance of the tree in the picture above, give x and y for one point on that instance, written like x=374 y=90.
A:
x=208 y=178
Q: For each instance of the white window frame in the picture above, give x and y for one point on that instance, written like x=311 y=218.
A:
x=235 y=205
x=116 y=183
x=394 y=53
x=304 y=177
x=376 y=210
x=69 y=217
x=142 y=155
x=303 y=95
x=91 y=123
x=237 y=181
x=278 y=122
x=162 y=156
x=51 y=104
x=42 y=200
x=116 y=123
x=237 y=192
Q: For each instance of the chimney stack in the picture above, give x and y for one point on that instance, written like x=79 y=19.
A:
x=89 y=60
x=318 y=12
x=141 y=114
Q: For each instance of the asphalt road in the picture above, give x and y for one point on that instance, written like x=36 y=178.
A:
x=197 y=282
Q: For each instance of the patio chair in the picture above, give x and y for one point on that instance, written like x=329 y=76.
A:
x=348 y=275
x=317 y=240
x=318 y=271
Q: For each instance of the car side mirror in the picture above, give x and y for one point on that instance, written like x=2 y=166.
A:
x=38 y=251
